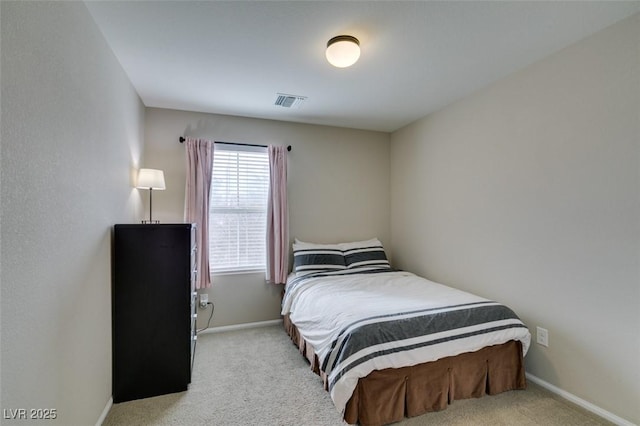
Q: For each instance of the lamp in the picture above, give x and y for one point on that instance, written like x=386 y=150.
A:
x=150 y=179
x=343 y=51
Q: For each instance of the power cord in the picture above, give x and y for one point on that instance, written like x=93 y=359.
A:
x=210 y=316
x=195 y=343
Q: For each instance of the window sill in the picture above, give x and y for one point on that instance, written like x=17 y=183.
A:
x=238 y=272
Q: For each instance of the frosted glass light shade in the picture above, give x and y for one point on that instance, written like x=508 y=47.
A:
x=151 y=179
x=343 y=51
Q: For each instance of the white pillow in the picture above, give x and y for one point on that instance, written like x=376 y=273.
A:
x=302 y=245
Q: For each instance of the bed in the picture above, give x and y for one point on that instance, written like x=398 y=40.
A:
x=389 y=344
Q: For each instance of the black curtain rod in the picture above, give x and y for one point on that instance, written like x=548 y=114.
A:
x=182 y=139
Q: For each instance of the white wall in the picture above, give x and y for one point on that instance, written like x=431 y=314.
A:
x=338 y=190
x=528 y=192
x=72 y=132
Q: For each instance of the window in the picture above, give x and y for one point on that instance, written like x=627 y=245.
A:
x=238 y=208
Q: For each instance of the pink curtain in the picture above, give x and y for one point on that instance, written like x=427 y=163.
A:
x=277 y=217
x=199 y=154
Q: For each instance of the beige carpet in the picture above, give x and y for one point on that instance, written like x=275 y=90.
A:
x=270 y=383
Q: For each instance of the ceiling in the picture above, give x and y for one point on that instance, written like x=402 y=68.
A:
x=234 y=57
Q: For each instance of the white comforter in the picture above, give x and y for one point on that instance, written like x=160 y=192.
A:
x=325 y=308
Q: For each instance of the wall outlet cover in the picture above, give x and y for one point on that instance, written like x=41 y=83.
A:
x=542 y=336
x=204 y=299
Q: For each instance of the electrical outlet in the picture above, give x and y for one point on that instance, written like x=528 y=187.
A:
x=542 y=336
x=204 y=300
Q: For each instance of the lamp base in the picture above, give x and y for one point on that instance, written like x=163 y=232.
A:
x=150 y=222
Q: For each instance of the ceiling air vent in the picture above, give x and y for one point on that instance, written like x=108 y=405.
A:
x=289 y=101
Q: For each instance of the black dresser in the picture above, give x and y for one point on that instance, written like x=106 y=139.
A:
x=153 y=309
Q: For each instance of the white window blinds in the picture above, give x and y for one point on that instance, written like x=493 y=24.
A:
x=238 y=208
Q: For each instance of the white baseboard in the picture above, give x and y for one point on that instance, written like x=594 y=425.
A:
x=105 y=412
x=240 y=326
x=579 y=401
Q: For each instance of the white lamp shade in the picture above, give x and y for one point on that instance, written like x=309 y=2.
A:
x=151 y=179
x=343 y=51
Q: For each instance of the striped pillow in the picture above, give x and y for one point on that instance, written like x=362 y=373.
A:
x=368 y=253
x=310 y=257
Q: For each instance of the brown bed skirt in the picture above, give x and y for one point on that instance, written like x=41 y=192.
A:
x=387 y=396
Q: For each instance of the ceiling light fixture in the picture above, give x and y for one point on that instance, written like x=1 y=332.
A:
x=343 y=51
